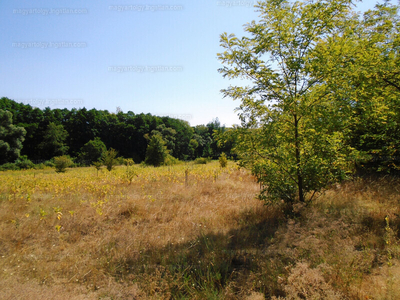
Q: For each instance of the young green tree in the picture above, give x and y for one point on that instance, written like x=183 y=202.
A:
x=223 y=161
x=109 y=159
x=168 y=135
x=54 y=141
x=98 y=165
x=62 y=163
x=11 y=138
x=292 y=130
x=93 y=150
x=156 y=152
x=130 y=170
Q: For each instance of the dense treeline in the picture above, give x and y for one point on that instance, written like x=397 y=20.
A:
x=54 y=132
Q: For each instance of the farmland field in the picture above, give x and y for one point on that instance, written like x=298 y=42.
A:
x=191 y=232
x=94 y=230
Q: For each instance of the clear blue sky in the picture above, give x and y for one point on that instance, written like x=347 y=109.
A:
x=142 y=56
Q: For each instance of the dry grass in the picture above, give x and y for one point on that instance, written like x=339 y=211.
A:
x=96 y=232
x=81 y=236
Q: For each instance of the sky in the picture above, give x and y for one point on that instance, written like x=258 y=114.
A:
x=140 y=56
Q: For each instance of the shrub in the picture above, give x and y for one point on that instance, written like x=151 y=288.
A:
x=170 y=160
x=40 y=166
x=24 y=163
x=128 y=162
x=223 y=161
x=8 y=166
x=120 y=161
x=201 y=161
x=109 y=159
x=49 y=163
x=156 y=152
x=97 y=165
x=92 y=151
x=130 y=174
x=62 y=163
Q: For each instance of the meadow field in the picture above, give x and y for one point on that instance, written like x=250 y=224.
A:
x=192 y=232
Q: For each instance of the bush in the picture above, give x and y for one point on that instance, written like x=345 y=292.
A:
x=202 y=160
x=128 y=162
x=8 y=166
x=170 y=160
x=109 y=159
x=62 y=163
x=120 y=161
x=80 y=163
x=130 y=174
x=40 y=166
x=92 y=151
x=223 y=161
x=156 y=152
x=49 y=163
x=24 y=163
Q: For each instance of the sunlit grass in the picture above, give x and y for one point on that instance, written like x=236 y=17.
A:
x=191 y=232
x=87 y=228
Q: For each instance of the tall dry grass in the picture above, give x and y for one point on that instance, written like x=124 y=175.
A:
x=205 y=236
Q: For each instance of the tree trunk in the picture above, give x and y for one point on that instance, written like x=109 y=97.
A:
x=297 y=147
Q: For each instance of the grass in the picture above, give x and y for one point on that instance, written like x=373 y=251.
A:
x=192 y=232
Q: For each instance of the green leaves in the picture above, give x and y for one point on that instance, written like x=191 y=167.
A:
x=53 y=143
x=109 y=159
x=11 y=138
x=293 y=129
x=93 y=151
x=62 y=163
x=360 y=67
x=156 y=152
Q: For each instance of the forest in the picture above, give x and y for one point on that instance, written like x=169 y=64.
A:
x=55 y=132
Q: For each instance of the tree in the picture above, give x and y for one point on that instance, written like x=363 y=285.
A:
x=11 y=138
x=98 y=165
x=62 y=163
x=109 y=159
x=30 y=119
x=226 y=140
x=204 y=139
x=156 y=152
x=363 y=60
x=214 y=128
x=93 y=150
x=54 y=141
x=81 y=124
x=193 y=144
x=292 y=129
x=168 y=135
x=223 y=161
x=184 y=134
